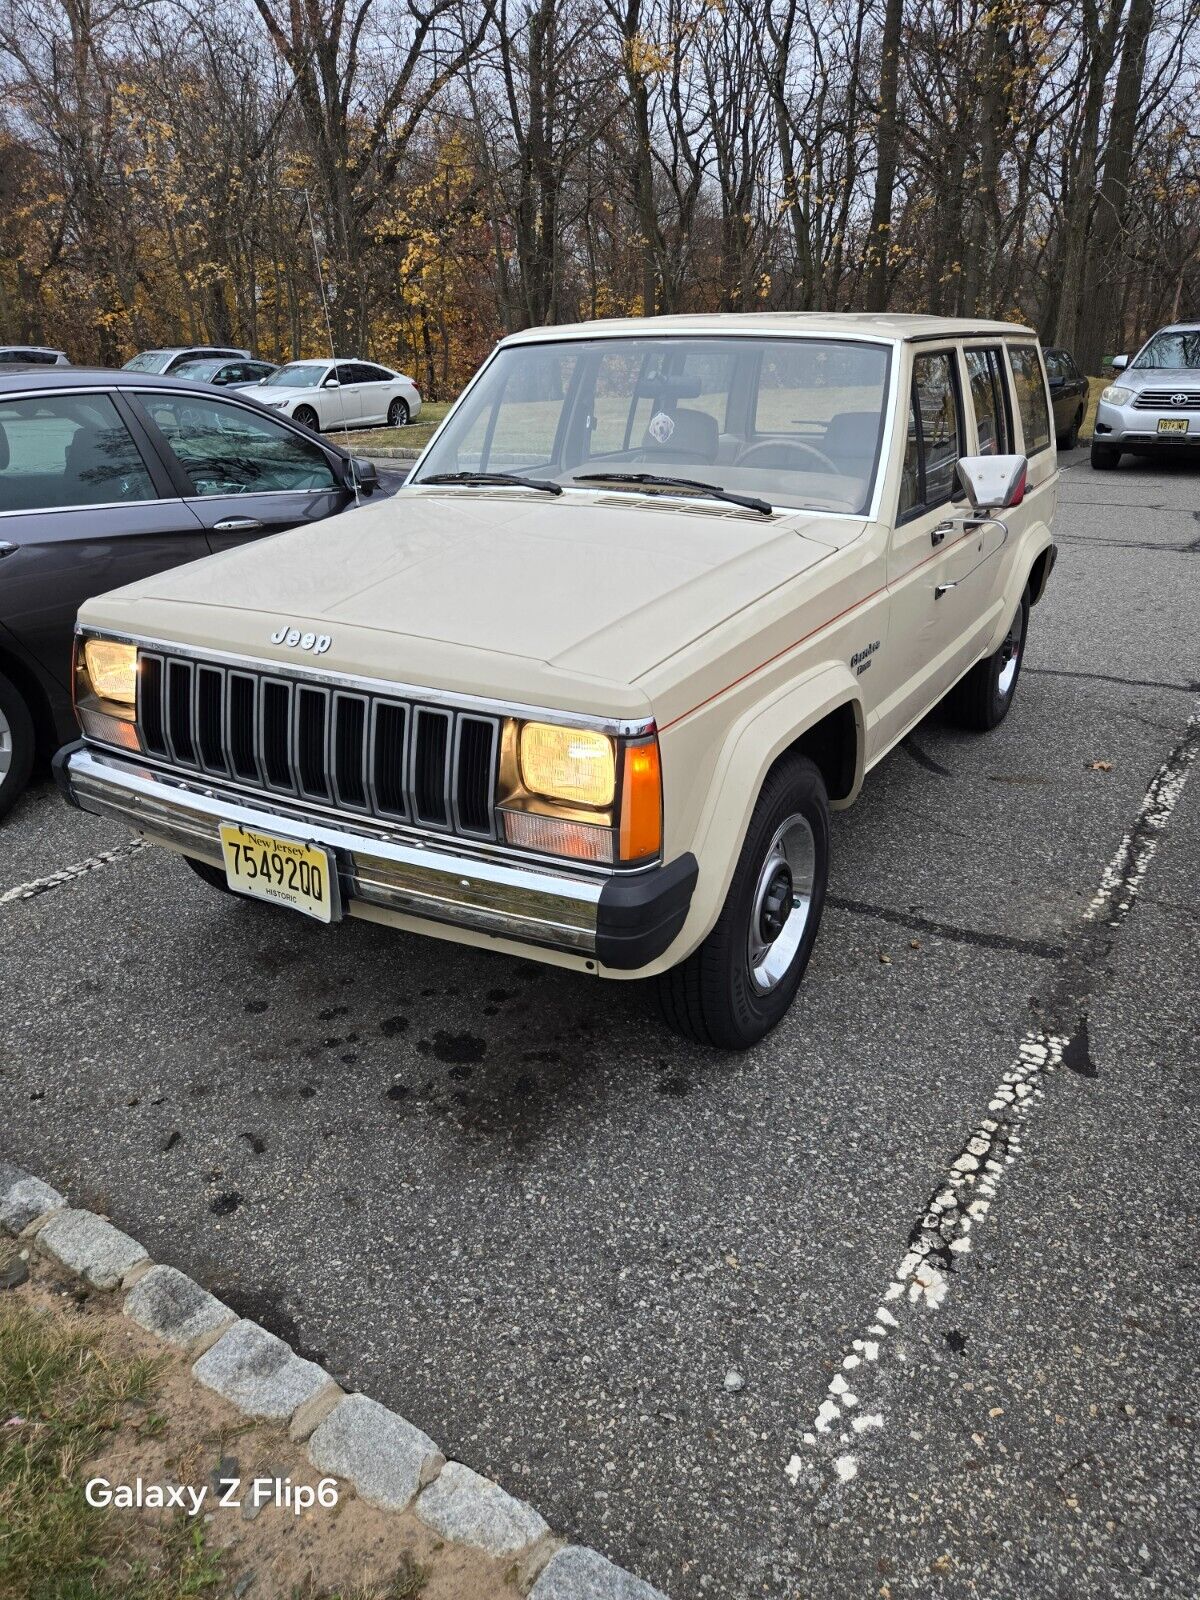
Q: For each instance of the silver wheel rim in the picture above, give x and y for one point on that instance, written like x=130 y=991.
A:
x=399 y=414
x=782 y=903
x=6 y=747
x=1010 y=654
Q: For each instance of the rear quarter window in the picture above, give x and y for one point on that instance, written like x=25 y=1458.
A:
x=1031 y=396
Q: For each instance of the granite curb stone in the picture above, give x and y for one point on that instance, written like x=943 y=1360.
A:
x=386 y=1459
x=577 y=1573
x=260 y=1374
x=167 y=1303
x=90 y=1246
x=24 y=1199
x=468 y=1509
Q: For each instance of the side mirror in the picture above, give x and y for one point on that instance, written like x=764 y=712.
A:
x=363 y=473
x=1119 y=363
x=993 y=483
x=330 y=383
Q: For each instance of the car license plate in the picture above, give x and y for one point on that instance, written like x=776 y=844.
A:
x=1172 y=424
x=283 y=871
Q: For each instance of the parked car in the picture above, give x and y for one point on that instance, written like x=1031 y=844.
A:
x=658 y=595
x=1068 y=396
x=166 y=361
x=31 y=355
x=109 y=476
x=1154 y=406
x=238 y=374
x=342 y=393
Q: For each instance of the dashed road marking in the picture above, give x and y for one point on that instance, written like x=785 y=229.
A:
x=962 y=1200
x=55 y=880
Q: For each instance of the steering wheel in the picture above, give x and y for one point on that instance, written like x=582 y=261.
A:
x=765 y=445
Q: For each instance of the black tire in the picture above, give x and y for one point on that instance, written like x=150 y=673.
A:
x=17 y=744
x=213 y=876
x=307 y=418
x=980 y=701
x=398 y=414
x=1070 y=439
x=1105 y=456
x=713 y=996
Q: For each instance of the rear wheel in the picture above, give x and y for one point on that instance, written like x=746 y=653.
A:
x=740 y=982
x=980 y=701
x=398 y=414
x=307 y=417
x=17 y=743
x=1070 y=439
x=1104 y=456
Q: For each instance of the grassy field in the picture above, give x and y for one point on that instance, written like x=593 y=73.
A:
x=414 y=436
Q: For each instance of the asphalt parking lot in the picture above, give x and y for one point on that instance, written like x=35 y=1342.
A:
x=505 y=1201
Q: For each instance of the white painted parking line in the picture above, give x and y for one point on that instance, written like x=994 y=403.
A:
x=852 y=1408
x=55 y=880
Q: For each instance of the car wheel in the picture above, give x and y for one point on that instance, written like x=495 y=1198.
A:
x=1104 y=456
x=307 y=417
x=739 y=984
x=980 y=701
x=17 y=743
x=1070 y=439
x=398 y=414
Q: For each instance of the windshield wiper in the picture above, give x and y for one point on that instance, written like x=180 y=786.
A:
x=546 y=484
x=693 y=485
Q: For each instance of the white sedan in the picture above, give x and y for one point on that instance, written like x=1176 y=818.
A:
x=334 y=394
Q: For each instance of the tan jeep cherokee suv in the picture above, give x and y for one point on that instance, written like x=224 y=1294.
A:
x=656 y=596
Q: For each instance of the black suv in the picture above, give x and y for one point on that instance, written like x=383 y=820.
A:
x=106 y=477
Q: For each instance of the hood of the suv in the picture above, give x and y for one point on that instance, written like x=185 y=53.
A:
x=483 y=591
x=1184 y=379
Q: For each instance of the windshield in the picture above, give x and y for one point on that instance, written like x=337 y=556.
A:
x=150 y=361
x=1178 y=349
x=300 y=375
x=794 y=421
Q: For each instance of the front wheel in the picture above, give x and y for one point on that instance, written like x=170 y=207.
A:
x=16 y=743
x=739 y=984
x=398 y=414
x=1104 y=457
x=307 y=418
x=981 y=700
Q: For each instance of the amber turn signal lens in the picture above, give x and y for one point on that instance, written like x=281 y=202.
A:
x=641 y=802
x=112 y=670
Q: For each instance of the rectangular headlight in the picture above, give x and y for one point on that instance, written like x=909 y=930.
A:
x=577 y=765
x=112 y=670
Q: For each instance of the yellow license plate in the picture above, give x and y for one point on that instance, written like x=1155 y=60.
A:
x=1172 y=424
x=283 y=871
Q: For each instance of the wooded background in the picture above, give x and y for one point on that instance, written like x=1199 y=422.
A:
x=473 y=166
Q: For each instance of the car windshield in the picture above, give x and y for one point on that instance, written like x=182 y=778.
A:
x=150 y=361
x=1179 y=348
x=300 y=375
x=795 y=422
x=197 y=368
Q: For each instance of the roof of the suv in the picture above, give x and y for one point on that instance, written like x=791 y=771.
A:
x=855 y=324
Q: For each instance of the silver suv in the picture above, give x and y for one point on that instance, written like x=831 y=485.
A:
x=1154 y=405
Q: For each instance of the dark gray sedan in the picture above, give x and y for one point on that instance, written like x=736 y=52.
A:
x=106 y=477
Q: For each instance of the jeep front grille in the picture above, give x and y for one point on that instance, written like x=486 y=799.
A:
x=398 y=760
x=1168 y=400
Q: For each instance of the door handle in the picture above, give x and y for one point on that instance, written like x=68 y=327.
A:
x=6 y=549
x=940 y=532
x=236 y=525
x=943 y=588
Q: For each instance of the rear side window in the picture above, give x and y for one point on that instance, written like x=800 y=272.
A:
x=228 y=449
x=989 y=397
x=934 y=434
x=1031 y=396
x=68 y=450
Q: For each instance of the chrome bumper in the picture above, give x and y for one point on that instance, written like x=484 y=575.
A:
x=526 y=903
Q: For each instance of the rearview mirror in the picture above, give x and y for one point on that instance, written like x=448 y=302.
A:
x=1119 y=363
x=364 y=474
x=993 y=483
